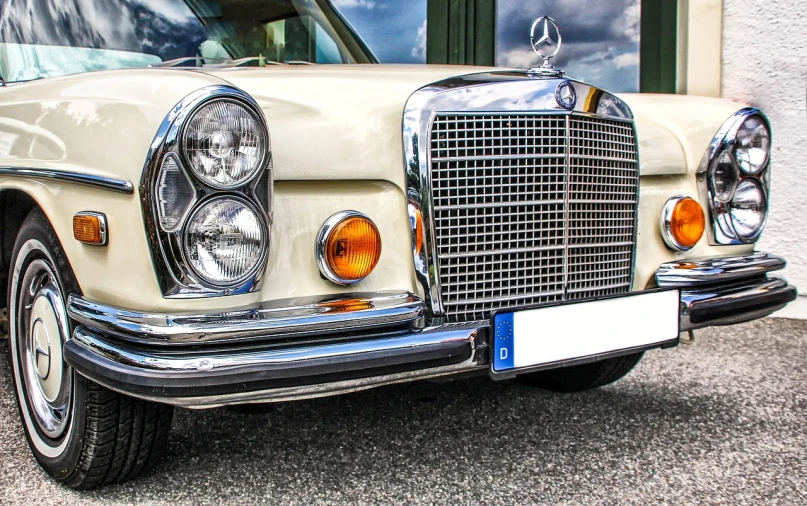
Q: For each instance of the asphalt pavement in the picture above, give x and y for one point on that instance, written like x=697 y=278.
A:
x=723 y=421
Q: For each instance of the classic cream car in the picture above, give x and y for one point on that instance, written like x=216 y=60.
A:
x=404 y=223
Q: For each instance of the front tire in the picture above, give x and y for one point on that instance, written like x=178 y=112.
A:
x=81 y=433
x=578 y=378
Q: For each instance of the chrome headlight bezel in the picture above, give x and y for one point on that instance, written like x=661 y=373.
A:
x=722 y=230
x=175 y=276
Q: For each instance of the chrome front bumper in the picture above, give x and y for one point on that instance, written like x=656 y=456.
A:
x=308 y=348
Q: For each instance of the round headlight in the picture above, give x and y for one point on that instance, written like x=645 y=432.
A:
x=225 y=143
x=748 y=208
x=753 y=145
x=224 y=241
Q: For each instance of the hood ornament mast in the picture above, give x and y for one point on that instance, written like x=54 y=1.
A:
x=545 y=46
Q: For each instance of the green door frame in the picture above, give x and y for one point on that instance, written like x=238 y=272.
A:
x=463 y=32
x=658 y=48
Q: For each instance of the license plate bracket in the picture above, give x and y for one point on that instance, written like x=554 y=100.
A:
x=534 y=338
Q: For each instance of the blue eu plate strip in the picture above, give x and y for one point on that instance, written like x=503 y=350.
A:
x=503 y=336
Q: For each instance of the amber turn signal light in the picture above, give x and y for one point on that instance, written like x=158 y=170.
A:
x=90 y=228
x=418 y=231
x=348 y=247
x=682 y=223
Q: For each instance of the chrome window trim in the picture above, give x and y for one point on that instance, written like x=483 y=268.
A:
x=104 y=229
x=486 y=92
x=175 y=276
x=102 y=182
x=322 y=240
x=665 y=223
x=719 y=228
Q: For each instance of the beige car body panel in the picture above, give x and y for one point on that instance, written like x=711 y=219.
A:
x=337 y=144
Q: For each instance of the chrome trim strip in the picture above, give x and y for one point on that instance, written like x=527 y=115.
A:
x=322 y=241
x=105 y=183
x=316 y=391
x=176 y=278
x=730 y=305
x=698 y=272
x=568 y=148
x=216 y=361
x=104 y=229
x=485 y=92
x=720 y=229
x=186 y=371
x=283 y=318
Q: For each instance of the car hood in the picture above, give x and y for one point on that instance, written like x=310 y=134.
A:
x=331 y=122
x=344 y=122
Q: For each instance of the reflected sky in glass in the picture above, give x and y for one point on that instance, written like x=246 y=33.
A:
x=395 y=30
x=600 y=39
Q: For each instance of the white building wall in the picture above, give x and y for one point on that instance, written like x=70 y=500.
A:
x=765 y=65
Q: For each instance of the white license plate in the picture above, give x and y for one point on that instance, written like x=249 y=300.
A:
x=543 y=336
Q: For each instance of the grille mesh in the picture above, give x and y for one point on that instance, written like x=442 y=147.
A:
x=531 y=209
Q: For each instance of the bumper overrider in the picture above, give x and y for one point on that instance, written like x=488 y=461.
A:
x=296 y=349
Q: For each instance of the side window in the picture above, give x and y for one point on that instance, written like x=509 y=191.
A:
x=327 y=50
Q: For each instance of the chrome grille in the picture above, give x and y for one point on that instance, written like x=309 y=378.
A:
x=531 y=209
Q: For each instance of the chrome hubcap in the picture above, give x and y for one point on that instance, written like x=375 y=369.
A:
x=42 y=330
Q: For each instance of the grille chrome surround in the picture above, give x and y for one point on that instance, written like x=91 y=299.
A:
x=498 y=93
x=531 y=208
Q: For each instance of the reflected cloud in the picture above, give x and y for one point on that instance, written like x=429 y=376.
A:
x=394 y=30
x=600 y=39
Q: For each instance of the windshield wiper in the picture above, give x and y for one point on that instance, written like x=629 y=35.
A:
x=262 y=61
x=222 y=63
x=199 y=61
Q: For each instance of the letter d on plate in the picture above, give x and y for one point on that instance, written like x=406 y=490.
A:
x=503 y=342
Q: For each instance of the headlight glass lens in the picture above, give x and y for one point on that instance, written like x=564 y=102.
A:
x=224 y=142
x=724 y=178
x=753 y=145
x=748 y=208
x=224 y=241
x=175 y=195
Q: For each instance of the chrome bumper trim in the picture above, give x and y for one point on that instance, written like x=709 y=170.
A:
x=283 y=318
x=726 y=290
x=384 y=344
x=216 y=377
x=704 y=271
x=737 y=303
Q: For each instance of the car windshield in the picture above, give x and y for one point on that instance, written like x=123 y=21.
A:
x=46 y=38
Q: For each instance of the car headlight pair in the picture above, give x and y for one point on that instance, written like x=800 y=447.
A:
x=212 y=193
x=736 y=173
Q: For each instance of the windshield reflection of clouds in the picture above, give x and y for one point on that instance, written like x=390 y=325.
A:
x=113 y=34
x=600 y=39
x=23 y=62
x=395 y=30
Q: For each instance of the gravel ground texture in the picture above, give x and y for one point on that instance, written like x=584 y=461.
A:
x=723 y=421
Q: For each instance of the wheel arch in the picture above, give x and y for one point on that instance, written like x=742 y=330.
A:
x=15 y=204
